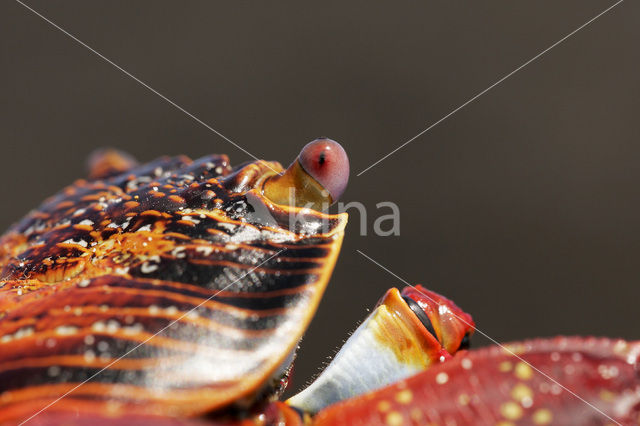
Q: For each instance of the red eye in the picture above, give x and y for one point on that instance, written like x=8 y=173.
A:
x=326 y=161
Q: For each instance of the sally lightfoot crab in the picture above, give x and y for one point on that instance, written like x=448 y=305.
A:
x=177 y=291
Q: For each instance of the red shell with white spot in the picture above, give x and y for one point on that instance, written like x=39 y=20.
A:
x=559 y=381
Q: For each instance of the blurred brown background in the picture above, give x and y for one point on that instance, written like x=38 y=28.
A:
x=523 y=207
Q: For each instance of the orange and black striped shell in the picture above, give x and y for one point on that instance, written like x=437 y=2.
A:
x=172 y=247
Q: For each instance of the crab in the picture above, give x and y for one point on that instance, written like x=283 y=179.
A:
x=176 y=293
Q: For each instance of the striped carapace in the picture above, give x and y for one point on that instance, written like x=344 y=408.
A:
x=176 y=292
x=188 y=250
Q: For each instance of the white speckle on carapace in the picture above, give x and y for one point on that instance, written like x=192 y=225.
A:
x=81 y=243
x=133 y=329
x=608 y=372
x=99 y=326
x=147 y=268
x=442 y=378
x=112 y=326
x=227 y=226
x=66 y=330
x=191 y=219
x=178 y=252
x=18 y=334
x=205 y=250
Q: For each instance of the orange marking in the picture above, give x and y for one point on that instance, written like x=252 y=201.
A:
x=131 y=204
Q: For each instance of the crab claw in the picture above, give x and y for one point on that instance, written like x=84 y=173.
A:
x=316 y=179
x=393 y=343
x=559 y=381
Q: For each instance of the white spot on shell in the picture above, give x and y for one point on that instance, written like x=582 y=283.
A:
x=147 y=268
x=82 y=243
x=53 y=371
x=442 y=378
x=205 y=250
x=99 y=326
x=112 y=326
x=66 y=330
x=227 y=226
x=19 y=334
x=178 y=252
x=608 y=372
x=133 y=329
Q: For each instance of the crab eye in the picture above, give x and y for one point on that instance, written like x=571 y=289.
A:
x=326 y=161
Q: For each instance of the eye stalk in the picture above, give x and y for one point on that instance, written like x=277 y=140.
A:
x=316 y=179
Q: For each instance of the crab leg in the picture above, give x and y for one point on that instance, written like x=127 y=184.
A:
x=560 y=381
